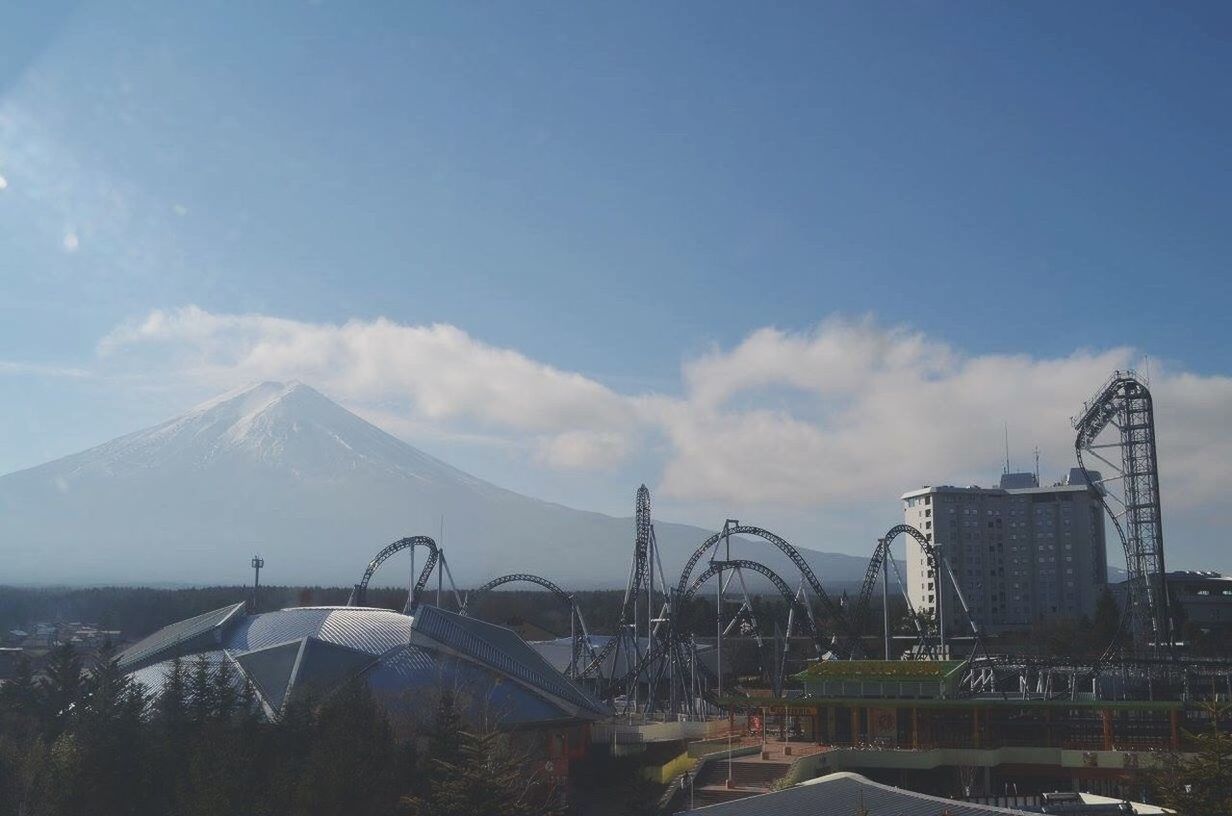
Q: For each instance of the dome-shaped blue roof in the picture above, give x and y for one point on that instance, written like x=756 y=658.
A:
x=308 y=652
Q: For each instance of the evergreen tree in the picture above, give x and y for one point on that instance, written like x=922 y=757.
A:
x=351 y=768
x=104 y=688
x=109 y=741
x=1105 y=629
x=1201 y=783
x=641 y=796
x=225 y=697
x=201 y=692
x=487 y=777
x=61 y=687
x=23 y=760
x=171 y=706
x=19 y=696
x=445 y=739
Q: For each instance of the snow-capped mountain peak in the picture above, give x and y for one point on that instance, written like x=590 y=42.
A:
x=281 y=469
x=289 y=426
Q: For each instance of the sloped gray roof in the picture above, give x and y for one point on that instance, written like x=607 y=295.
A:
x=845 y=793
x=323 y=666
x=504 y=651
x=184 y=637
x=408 y=677
x=270 y=670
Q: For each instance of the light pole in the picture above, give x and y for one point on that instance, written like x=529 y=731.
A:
x=937 y=567
x=763 y=731
x=257 y=563
x=729 y=754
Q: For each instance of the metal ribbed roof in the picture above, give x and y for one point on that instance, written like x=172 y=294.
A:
x=324 y=666
x=842 y=794
x=374 y=631
x=503 y=650
x=408 y=681
x=154 y=676
x=179 y=638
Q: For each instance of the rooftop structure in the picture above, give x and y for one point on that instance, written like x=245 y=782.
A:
x=1202 y=599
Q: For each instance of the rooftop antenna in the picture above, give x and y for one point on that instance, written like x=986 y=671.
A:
x=1037 y=481
x=1007 y=447
x=257 y=563
x=440 y=571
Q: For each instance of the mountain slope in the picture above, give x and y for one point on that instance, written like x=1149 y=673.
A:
x=282 y=470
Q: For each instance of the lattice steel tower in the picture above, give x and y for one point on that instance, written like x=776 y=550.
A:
x=1123 y=409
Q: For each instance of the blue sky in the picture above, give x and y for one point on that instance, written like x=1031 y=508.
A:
x=612 y=191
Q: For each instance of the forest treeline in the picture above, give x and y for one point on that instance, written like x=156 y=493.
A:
x=138 y=611
x=87 y=741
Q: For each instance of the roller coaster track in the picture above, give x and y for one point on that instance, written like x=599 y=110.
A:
x=359 y=594
x=1125 y=403
x=519 y=577
x=662 y=647
x=860 y=616
x=637 y=576
x=832 y=610
x=717 y=567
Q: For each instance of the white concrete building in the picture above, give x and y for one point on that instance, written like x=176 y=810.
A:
x=1021 y=553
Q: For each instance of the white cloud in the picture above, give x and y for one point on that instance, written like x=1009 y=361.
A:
x=875 y=412
x=583 y=450
x=439 y=372
x=848 y=412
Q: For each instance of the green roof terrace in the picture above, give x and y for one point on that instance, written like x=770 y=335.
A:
x=881 y=679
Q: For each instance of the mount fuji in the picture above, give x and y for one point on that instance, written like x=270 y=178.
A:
x=282 y=470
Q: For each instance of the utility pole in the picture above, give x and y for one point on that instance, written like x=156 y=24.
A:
x=885 y=593
x=573 y=641
x=650 y=578
x=940 y=584
x=728 y=524
x=257 y=563
x=440 y=577
x=718 y=629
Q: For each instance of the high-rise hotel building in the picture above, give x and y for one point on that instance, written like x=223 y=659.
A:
x=1021 y=553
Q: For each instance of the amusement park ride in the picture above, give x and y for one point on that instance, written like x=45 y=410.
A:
x=650 y=664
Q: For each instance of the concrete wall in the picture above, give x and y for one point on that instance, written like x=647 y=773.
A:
x=609 y=733
x=842 y=759
x=670 y=770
